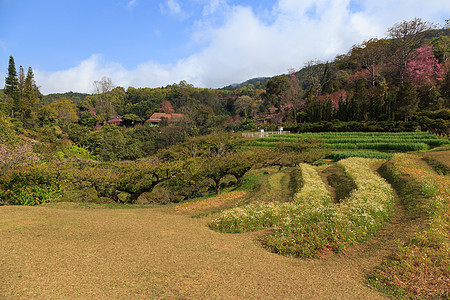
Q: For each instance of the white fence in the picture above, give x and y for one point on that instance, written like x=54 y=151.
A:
x=263 y=133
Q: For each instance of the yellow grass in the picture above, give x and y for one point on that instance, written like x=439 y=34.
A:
x=67 y=252
x=210 y=203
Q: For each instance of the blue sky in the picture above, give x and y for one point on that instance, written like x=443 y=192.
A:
x=208 y=43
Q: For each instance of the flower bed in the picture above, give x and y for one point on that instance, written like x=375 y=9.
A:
x=311 y=222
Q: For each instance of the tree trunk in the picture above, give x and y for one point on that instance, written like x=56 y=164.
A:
x=133 y=197
x=238 y=179
x=217 y=182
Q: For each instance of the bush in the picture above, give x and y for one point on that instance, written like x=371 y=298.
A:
x=31 y=185
x=7 y=134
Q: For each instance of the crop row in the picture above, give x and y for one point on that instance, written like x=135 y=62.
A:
x=380 y=146
x=338 y=155
x=432 y=141
x=392 y=146
x=416 y=135
x=424 y=259
x=311 y=221
x=429 y=141
x=314 y=193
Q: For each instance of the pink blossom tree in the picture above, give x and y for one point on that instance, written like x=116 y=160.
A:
x=297 y=102
x=424 y=67
x=166 y=107
x=13 y=156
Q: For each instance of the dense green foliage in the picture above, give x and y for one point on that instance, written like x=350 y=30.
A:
x=374 y=87
x=363 y=90
x=30 y=185
x=382 y=97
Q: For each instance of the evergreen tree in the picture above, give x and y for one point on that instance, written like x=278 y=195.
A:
x=30 y=89
x=12 y=85
x=341 y=111
x=28 y=97
x=445 y=89
x=407 y=100
x=327 y=110
x=21 y=81
x=359 y=100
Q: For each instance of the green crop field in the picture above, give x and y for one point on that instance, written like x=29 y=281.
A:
x=361 y=144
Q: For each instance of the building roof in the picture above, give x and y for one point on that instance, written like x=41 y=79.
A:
x=157 y=117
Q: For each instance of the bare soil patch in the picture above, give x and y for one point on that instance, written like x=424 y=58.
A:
x=339 y=184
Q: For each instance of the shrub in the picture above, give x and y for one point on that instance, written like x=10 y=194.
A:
x=30 y=185
x=7 y=134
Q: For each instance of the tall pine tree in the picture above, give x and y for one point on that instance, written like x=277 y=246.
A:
x=21 y=79
x=407 y=100
x=30 y=97
x=12 y=85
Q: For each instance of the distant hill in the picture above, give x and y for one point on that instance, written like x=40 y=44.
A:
x=74 y=96
x=258 y=83
x=430 y=34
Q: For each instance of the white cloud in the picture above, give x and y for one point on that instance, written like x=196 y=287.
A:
x=213 y=7
x=243 y=45
x=82 y=77
x=172 y=8
x=132 y=3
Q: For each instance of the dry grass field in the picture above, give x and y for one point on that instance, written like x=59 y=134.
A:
x=70 y=251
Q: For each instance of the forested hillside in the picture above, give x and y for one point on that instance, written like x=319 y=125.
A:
x=400 y=83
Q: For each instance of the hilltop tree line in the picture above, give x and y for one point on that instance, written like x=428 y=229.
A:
x=380 y=79
x=401 y=83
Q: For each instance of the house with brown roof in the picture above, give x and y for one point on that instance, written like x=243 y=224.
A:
x=156 y=118
x=115 y=120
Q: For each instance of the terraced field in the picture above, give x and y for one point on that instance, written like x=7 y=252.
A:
x=79 y=251
x=362 y=144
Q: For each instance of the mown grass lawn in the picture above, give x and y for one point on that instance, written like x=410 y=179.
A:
x=68 y=251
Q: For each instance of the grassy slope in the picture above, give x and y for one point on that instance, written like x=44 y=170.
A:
x=420 y=266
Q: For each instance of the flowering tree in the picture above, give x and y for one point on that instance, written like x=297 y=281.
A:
x=296 y=93
x=166 y=107
x=424 y=68
x=13 y=156
x=13 y=151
